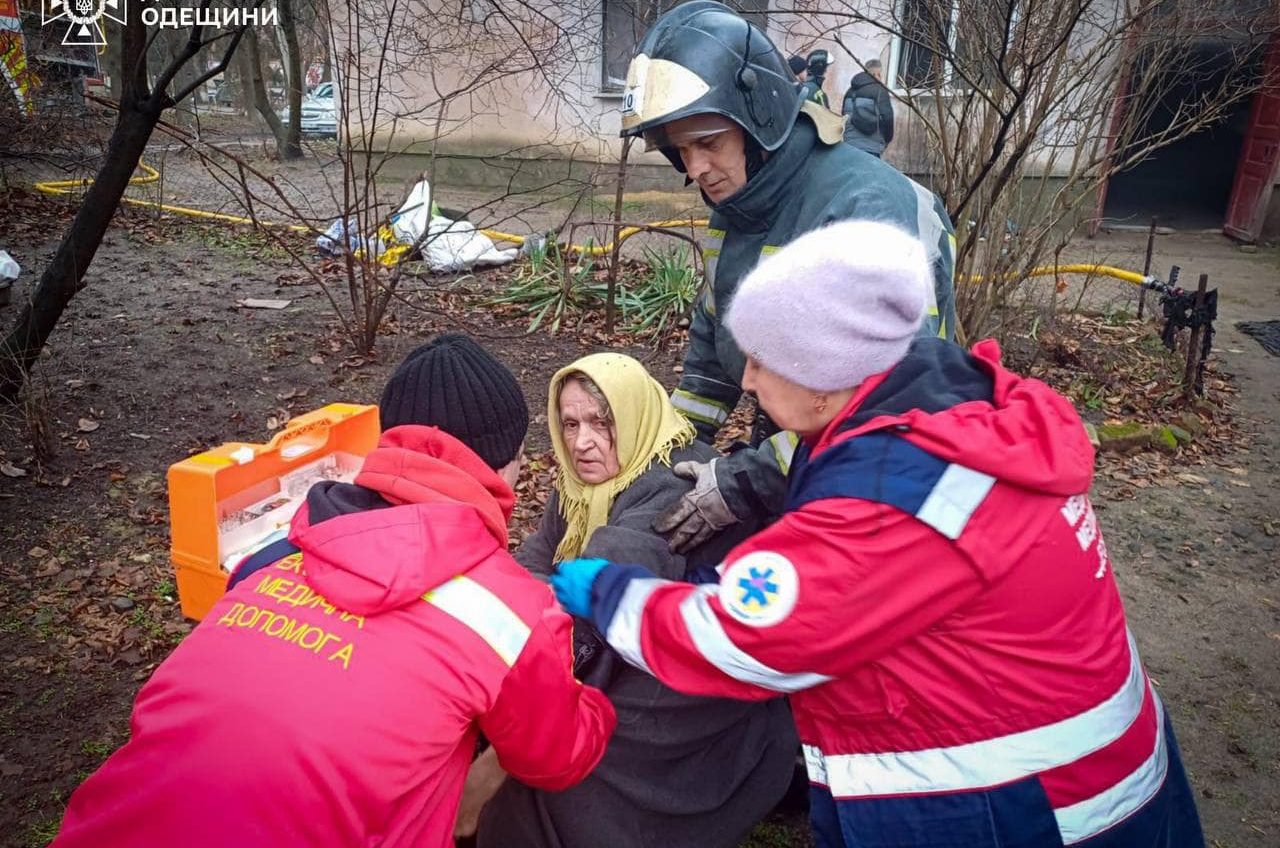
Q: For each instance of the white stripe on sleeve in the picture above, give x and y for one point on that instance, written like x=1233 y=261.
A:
x=624 y=628
x=954 y=498
x=717 y=648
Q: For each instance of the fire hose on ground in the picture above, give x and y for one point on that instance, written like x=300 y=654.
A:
x=1191 y=309
x=151 y=175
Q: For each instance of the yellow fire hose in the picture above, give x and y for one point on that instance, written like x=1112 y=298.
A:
x=1080 y=268
x=151 y=175
x=1043 y=271
x=605 y=249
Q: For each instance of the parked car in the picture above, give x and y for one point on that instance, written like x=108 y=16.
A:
x=319 y=111
x=224 y=94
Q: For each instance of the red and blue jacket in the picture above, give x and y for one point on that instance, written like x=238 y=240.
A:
x=335 y=696
x=939 y=604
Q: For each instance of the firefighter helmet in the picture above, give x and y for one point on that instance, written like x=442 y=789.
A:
x=703 y=58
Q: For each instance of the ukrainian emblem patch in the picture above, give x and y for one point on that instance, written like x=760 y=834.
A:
x=760 y=589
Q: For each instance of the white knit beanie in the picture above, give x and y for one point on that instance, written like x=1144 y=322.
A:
x=835 y=306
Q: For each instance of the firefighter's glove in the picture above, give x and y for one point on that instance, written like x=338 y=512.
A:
x=572 y=583
x=700 y=514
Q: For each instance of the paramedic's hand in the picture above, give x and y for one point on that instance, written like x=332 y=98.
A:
x=572 y=584
x=483 y=782
x=700 y=514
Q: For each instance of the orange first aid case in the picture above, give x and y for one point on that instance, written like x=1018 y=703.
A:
x=226 y=501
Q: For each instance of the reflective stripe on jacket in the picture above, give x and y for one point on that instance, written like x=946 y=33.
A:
x=939 y=603
x=335 y=697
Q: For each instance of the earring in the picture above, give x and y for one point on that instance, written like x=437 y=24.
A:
x=820 y=403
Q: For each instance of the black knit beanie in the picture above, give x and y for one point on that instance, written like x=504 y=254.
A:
x=454 y=384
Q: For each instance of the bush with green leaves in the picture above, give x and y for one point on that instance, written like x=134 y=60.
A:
x=653 y=303
x=542 y=290
x=666 y=293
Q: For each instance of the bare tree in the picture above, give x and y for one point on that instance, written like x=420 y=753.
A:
x=295 y=80
x=251 y=63
x=414 y=79
x=416 y=74
x=142 y=105
x=1019 y=110
x=291 y=146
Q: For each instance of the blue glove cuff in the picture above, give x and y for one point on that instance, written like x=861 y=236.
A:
x=609 y=587
x=572 y=584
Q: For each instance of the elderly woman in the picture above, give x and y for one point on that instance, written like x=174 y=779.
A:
x=680 y=770
x=937 y=598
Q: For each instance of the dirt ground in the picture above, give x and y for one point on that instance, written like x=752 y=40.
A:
x=154 y=360
x=314 y=187
x=1197 y=559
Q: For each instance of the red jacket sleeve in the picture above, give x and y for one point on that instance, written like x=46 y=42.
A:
x=548 y=729
x=798 y=604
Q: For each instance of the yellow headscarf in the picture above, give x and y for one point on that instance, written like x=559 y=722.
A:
x=646 y=425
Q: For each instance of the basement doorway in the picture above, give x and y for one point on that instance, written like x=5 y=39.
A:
x=1187 y=185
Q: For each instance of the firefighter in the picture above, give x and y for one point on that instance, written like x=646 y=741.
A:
x=717 y=98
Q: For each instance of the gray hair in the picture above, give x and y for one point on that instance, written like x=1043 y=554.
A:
x=872 y=65
x=590 y=387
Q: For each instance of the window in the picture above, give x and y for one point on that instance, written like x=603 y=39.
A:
x=626 y=22
x=925 y=28
x=941 y=46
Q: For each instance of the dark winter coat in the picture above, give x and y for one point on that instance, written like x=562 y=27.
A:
x=805 y=184
x=810 y=90
x=679 y=770
x=870 y=112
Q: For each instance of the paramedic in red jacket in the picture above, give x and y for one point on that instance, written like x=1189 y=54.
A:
x=334 y=697
x=937 y=598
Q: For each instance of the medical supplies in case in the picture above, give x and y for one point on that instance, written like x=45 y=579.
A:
x=225 y=502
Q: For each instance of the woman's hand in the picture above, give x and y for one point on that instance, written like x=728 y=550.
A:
x=483 y=782
x=572 y=584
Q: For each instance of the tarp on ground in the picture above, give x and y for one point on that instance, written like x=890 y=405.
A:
x=449 y=245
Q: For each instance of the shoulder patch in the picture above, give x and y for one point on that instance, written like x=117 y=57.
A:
x=760 y=589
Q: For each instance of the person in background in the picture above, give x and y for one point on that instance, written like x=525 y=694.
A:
x=810 y=88
x=336 y=696
x=715 y=96
x=817 y=63
x=937 y=599
x=680 y=770
x=869 y=111
x=799 y=67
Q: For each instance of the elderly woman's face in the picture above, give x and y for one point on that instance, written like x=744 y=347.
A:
x=791 y=406
x=587 y=436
